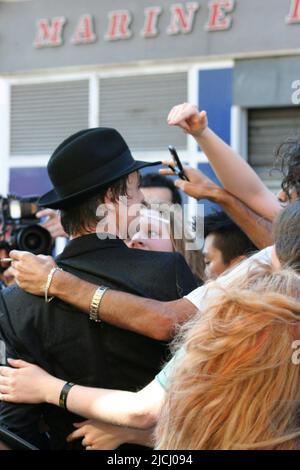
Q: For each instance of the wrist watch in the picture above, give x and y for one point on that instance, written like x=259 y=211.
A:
x=95 y=303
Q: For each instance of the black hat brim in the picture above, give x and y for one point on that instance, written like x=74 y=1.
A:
x=52 y=200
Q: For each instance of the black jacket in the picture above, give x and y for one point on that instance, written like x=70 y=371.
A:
x=67 y=344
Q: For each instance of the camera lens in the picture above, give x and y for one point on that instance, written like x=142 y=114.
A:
x=35 y=239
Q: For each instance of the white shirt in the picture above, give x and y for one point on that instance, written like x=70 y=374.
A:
x=197 y=296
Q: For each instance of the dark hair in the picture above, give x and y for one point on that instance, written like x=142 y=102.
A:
x=229 y=238
x=286 y=231
x=287 y=157
x=82 y=216
x=155 y=180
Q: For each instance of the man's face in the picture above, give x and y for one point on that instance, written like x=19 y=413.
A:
x=214 y=263
x=213 y=258
x=128 y=211
x=157 y=195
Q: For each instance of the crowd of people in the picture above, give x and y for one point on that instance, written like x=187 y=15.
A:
x=134 y=338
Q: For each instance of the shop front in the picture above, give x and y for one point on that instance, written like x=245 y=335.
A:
x=68 y=65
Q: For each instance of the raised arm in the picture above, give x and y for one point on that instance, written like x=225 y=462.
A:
x=148 y=317
x=28 y=383
x=235 y=174
x=258 y=229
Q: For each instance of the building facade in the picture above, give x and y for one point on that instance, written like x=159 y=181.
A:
x=67 y=65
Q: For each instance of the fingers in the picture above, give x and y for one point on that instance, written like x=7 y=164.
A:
x=6 y=397
x=5 y=371
x=168 y=163
x=19 y=255
x=171 y=163
x=86 y=442
x=76 y=434
x=18 y=363
x=9 y=272
x=203 y=116
x=167 y=172
x=181 y=184
x=77 y=425
x=4 y=389
x=4 y=382
x=49 y=224
x=46 y=213
x=187 y=117
x=9 y=276
x=82 y=423
x=45 y=258
x=180 y=113
x=190 y=189
x=52 y=223
x=23 y=260
x=15 y=364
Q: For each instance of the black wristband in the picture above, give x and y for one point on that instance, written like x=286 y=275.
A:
x=64 y=395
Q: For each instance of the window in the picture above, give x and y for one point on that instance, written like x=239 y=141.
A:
x=267 y=128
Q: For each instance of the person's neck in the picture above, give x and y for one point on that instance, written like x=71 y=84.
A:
x=111 y=225
x=81 y=234
x=99 y=229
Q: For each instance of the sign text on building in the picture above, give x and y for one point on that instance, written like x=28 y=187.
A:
x=182 y=18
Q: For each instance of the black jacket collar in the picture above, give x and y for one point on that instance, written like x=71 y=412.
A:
x=88 y=243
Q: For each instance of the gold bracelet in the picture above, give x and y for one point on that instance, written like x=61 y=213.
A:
x=95 y=303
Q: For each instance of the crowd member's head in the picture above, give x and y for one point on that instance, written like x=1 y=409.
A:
x=159 y=189
x=6 y=277
x=153 y=232
x=288 y=158
x=286 y=231
x=93 y=168
x=82 y=218
x=4 y=268
x=225 y=244
x=237 y=386
x=165 y=232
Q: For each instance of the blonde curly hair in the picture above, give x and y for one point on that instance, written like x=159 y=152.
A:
x=237 y=387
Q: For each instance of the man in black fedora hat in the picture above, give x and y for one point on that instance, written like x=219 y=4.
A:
x=92 y=168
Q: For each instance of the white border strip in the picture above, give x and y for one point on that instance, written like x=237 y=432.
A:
x=4 y=135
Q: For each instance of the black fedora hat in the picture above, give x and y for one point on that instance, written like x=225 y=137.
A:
x=85 y=163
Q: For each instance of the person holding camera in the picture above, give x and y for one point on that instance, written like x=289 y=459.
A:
x=52 y=223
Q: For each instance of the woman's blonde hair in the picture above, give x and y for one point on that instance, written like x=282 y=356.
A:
x=183 y=240
x=237 y=386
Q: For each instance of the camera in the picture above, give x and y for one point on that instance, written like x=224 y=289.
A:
x=19 y=227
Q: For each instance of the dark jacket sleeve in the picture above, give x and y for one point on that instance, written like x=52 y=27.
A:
x=23 y=420
x=185 y=279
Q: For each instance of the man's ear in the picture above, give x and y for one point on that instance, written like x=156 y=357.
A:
x=275 y=260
